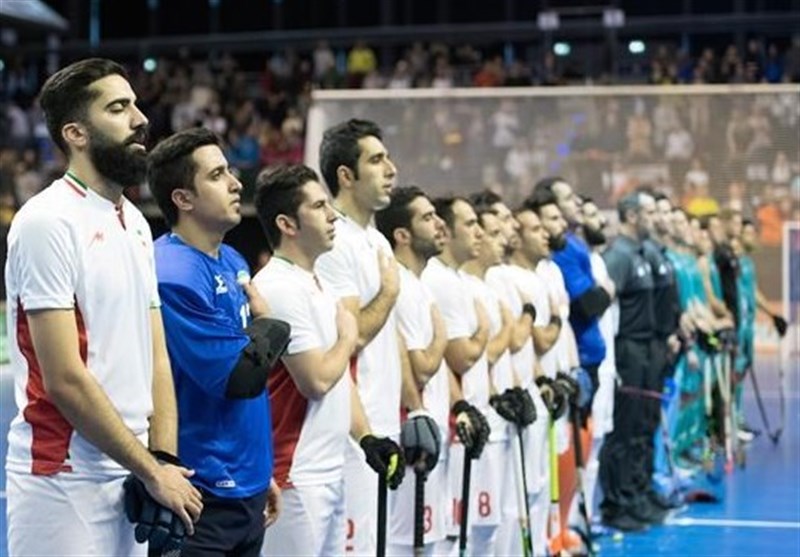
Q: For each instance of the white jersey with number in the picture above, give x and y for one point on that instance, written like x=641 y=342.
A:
x=309 y=436
x=457 y=304
x=69 y=248
x=351 y=269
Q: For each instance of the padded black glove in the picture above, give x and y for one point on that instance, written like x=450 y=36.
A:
x=507 y=405
x=421 y=439
x=155 y=524
x=475 y=435
x=780 y=325
x=527 y=409
x=553 y=395
x=385 y=457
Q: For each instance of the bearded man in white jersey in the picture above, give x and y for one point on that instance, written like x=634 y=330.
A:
x=92 y=378
x=416 y=234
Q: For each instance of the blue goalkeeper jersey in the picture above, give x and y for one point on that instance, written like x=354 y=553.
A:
x=576 y=268
x=228 y=442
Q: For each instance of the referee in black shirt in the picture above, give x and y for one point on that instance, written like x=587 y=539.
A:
x=623 y=472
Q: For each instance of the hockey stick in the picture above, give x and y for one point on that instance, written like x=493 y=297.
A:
x=465 y=481
x=556 y=535
x=522 y=498
x=586 y=536
x=382 y=489
x=419 y=513
x=774 y=435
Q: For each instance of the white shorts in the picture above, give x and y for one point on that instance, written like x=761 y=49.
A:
x=603 y=404
x=401 y=530
x=311 y=523
x=485 y=505
x=63 y=516
x=361 y=503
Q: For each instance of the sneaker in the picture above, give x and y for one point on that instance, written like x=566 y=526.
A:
x=660 y=501
x=744 y=435
x=624 y=523
x=648 y=513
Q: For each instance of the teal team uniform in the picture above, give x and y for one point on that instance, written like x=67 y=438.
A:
x=747 y=321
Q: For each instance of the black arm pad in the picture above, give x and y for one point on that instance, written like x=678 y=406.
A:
x=591 y=303
x=268 y=340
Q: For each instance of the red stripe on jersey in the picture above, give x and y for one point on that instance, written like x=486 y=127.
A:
x=50 y=431
x=354 y=368
x=77 y=189
x=288 y=416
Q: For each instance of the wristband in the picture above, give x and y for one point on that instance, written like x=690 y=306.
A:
x=555 y=320
x=530 y=309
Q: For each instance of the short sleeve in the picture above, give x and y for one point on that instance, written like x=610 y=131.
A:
x=294 y=306
x=337 y=271
x=203 y=342
x=411 y=314
x=618 y=266
x=45 y=257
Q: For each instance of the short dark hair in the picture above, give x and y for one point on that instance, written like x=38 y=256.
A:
x=705 y=220
x=748 y=222
x=630 y=202
x=397 y=214
x=171 y=166
x=444 y=208
x=279 y=192
x=541 y=197
x=66 y=95
x=482 y=203
x=546 y=184
x=340 y=147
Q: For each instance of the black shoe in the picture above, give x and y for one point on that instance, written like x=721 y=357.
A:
x=624 y=522
x=660 y=502
x=648 y=513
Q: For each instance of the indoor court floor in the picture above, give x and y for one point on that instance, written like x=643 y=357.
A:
x=760 y=514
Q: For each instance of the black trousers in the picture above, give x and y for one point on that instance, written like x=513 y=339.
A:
x=626 y=459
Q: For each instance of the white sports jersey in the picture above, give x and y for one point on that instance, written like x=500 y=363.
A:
x=530 y=283
x=553 y=281
x=603 y=405
x=69 y=248
x=457 y=305
x=502 y=279
x=309 y=436
x=351 y=269
x=501 y=375
x=414 y=321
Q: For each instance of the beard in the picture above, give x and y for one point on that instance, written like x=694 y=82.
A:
x=557 y=243
x=425 y=248
x=116 y=161
x=594 y=236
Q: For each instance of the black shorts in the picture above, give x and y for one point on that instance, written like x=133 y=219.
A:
x=228 y=527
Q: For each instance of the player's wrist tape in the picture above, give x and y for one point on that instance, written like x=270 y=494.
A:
x=268 y=341
x=555 y=320
x=529 y=309
x=166 y=458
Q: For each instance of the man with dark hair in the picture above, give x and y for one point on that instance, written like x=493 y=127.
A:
x=467 y=326
x=416 y=234
x=362 y=273
x=315 y=406
x=221 y=345
x=666 y=306
x=623 y=469
x=90 y=365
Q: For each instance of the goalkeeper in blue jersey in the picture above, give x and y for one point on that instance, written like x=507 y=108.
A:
x=221 y=345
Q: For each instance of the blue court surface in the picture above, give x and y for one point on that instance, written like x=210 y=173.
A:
x=759 y=516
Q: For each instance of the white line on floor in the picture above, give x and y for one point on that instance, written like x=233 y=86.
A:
x=737 y=523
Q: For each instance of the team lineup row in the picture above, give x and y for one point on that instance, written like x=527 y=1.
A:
x=464 y=355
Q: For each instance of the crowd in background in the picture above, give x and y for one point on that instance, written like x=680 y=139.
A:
x=746 y=151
